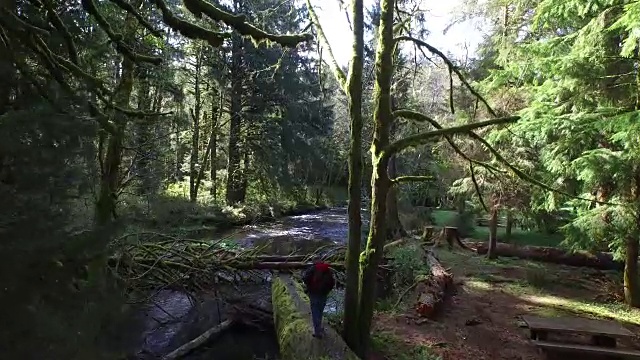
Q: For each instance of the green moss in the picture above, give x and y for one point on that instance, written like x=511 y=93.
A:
x=293 y=327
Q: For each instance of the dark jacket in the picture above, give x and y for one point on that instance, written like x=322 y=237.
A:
x=319 y=279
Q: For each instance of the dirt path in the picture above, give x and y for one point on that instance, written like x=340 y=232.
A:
x=481 y=320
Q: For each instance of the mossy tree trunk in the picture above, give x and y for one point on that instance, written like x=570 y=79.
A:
x=354 y=94
x=394 y=226
x=383 y=118
x=352 y=85
x=110 y=176
x=234 y=158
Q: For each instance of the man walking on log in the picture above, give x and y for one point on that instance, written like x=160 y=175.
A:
x=319 y=281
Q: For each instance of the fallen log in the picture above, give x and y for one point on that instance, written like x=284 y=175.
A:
x=602 y=261
x=292 y=321
x=262 y=265
x=206 y=336
x=432 y=289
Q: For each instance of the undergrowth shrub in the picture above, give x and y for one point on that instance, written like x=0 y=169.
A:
x=407 y=263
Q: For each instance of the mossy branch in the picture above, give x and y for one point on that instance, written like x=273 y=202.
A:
x=117 y=38
x=411 y=178
x=239 y=23
x=21 y=24
x=337 y=71
x=451 y=66
x=129 y=9
x=190 y=30
x=60 y=26
x=419 y=117
x=421 y=139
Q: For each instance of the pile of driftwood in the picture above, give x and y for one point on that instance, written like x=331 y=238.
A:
x=197 y=265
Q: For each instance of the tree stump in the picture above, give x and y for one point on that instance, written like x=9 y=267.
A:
x=451 y=235
x=427 y=234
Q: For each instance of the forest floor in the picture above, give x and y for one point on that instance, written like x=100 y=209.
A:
x=481 y=320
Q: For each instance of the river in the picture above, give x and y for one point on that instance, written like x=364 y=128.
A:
x=172 y=318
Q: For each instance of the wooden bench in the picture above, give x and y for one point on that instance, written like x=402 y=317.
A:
x=588 y=349
x=603 y=335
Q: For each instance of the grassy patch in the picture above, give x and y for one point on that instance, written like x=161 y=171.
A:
x=518 y=236
x=554 y=290
x=554 y=304
x=395 y=348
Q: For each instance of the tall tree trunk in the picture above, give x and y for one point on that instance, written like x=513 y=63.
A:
x=214 y=145
x=383 y=119
x=208 y=150
x=244 y=175
x=234 y=176
x=351 y=331
x=394 y=226
x=493 y=231
x=509 y=225
x=195 y=135
x=7 y=68
x=631 y=285
x=178 y=159
x=143 y=137
x=110 y=178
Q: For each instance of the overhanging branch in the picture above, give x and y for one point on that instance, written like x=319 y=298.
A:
x=419 y=117
x=239 y=23
x=411 y=178
x=190 y=30
x=337 y=71
x=421 y=139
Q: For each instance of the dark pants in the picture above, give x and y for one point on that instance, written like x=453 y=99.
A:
x=317 y=303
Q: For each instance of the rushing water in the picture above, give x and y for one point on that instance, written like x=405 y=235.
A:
x=173 y=318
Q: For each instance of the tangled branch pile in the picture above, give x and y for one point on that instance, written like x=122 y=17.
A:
x=197 y=265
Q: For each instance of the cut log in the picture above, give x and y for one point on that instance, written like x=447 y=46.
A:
x=602 y=261
x=206 y=336
x=432 y=290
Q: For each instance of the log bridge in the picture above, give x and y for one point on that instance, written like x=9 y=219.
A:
x=292 y=320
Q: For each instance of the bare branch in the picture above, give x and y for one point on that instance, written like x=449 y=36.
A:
x=337 y=71
x=477 y=187
x=239 y=23
x=452 y=67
